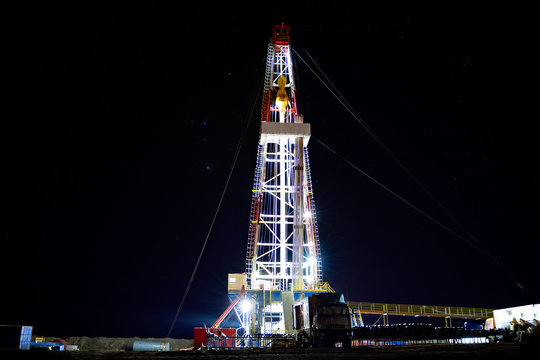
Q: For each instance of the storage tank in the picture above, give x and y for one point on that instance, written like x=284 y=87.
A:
x=150 y=346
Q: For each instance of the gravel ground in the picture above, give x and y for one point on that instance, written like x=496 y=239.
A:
x=439 y=352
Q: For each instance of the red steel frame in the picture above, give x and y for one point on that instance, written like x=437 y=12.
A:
x=228 y=310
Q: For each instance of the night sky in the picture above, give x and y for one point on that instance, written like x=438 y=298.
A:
x=127 y=117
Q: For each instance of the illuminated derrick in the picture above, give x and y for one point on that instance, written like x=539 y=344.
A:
x=283 y=258
x=283 y=246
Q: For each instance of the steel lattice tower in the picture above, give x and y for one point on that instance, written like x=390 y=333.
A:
x=283 y=258
x=283 y=251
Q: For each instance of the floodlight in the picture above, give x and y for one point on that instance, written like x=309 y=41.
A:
x=245 y=305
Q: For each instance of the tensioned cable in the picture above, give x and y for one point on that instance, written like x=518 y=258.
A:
x=475 y=246
x=396 y=159
x=235 y=158
x=395 y=194
x=366 y=127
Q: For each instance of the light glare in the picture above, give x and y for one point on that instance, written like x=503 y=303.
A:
x=245 y=305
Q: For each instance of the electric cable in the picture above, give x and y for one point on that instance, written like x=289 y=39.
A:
x=235 y=158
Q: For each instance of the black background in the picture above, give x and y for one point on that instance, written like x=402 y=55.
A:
x=124 y=127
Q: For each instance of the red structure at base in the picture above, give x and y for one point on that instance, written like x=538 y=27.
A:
x=201 y=334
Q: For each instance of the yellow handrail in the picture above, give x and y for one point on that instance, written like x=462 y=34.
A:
x=420 y=310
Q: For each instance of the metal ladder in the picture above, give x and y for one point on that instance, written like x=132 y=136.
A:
x=314 y=216
x=254 y=215
x=267 y=91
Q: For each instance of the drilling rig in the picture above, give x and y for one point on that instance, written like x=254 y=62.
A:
x=282 y=291
x=283 y=257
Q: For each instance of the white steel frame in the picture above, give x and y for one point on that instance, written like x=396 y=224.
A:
x=282 y=65
x=274 y=265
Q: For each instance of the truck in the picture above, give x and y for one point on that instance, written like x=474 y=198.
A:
x=322 y=320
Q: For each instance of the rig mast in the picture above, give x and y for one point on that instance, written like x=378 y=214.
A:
x=283 y=258
x=283 y=251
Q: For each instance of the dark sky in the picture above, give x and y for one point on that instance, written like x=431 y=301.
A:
x=125 y=127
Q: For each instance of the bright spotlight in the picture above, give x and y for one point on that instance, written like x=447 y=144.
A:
x=307 y=214
x=245 y=305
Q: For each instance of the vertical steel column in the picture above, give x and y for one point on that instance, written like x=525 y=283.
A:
x=298 y=236
x=283 y=212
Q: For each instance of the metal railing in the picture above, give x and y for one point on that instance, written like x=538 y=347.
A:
x=242 y=342
x=420 y=310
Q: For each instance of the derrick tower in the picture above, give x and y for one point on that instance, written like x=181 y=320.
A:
x=283 y=251
x=283 y=258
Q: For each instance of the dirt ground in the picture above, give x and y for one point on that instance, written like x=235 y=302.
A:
x=439 y=352
x=117 y=344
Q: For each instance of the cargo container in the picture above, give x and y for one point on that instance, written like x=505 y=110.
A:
x=15 y=337
x=236 y=282
x=503 y=317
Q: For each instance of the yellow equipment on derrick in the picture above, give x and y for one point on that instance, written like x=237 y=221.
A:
x=282 y=98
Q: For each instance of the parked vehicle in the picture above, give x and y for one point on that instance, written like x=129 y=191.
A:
x=322 y=320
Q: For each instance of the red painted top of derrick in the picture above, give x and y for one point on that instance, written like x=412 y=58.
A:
x=281 y=34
